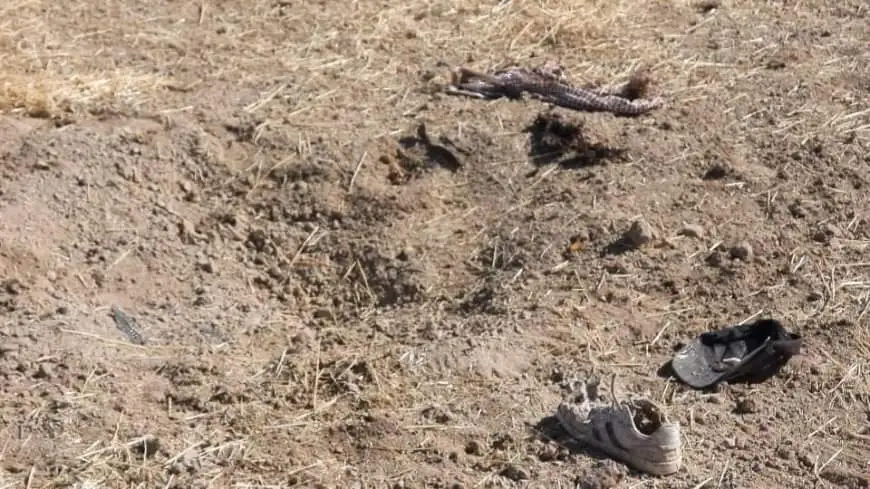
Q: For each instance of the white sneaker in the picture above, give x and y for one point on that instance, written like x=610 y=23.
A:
x=635 y=432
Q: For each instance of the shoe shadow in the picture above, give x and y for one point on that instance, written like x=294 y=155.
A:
x=553 y=140
x=548 y=429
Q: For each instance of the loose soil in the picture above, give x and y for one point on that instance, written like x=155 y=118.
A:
x=338 y=276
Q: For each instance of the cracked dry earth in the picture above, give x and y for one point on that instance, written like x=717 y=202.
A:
x=342 y=278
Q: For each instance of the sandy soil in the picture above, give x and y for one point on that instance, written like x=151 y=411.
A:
x=324 y=301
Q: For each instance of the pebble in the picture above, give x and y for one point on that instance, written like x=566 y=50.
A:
x=44 y=371
x=147 y=446
x=474 y=447
x=548 y=452
x=692 y=231
x=640 y=233
x=741 y=251
x=514 y=473
x=745 y=405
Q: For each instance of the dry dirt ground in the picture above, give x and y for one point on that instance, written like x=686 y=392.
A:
x=326 y=301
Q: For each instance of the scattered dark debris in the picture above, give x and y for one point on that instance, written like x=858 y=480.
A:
x=775 y=64
x=514 y=473
x=706 y=6
x=716 y=171
x=553 y=140
x=741 y=251
x=745 y=405
x=145 y=447
x=692 y=231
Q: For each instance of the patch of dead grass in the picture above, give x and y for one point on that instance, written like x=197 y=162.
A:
x=50 y=71
x=49 y=95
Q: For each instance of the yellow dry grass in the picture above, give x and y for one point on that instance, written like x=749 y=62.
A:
x=52 y=70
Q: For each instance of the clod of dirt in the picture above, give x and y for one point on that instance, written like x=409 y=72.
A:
x=606 y=478
x=705 y=6
x=206 y=265
x=553 y=139
x=692 y=231
x=825 y=234
x=548 y=452
x=796 y=209
x=514 y=473
x=8 y=349
x=501 y=441
x=146 y=447
x=13 y=286
x=741 y=251
x=734 y=442
x=640 y=233
x=44 y=371
x=775 y=64
x=745 y=405
x=638 y=85
x=188 y=463
x=474 y=447
x=714 y=258
x=716 y=171
x=437 y=414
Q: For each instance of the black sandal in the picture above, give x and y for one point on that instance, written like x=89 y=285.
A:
x=752 y=352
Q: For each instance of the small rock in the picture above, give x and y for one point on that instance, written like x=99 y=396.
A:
x=714 y=259
x=785 y=453
x=146 y=447
x=640 y=233
x=14 y=468
x=548 y=452
x=474 y=447
x=797 y=210
x=692 y=231
x=44 y=371
x=6 y=348
x=715 y=399
x=12 y=286
x=705 y=6
x=437 y=414
x=276 y=274
x=825 y=233
x=715 y=172
x=741 y=251
x=820 y=237
x=745 y=405
x=99 y=278
x=514 y=473
x=405 y=254
x=187 y=232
